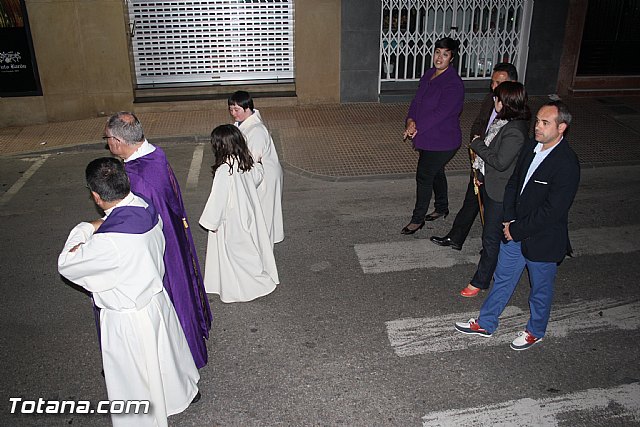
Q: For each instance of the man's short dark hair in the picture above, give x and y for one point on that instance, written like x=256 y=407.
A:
x=510 y=69
x=126 y=126
x=107 y=177
x=564 y=116
x=241 y=98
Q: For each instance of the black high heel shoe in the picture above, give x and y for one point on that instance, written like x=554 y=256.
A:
x=435 y=215
x=407 y=230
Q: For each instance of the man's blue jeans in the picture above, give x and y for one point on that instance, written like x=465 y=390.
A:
x=542 y=276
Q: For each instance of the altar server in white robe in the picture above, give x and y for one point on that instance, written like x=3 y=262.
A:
x=118 y=258
x=240 y=265
x=263 y=151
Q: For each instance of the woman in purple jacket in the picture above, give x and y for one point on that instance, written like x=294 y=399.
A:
x=433 y=123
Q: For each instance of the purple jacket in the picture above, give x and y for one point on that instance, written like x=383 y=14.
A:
x=436 y=109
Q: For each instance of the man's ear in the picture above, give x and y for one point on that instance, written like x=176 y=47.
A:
x=562 y=127
x=96 y=198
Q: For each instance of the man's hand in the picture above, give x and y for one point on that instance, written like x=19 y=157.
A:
x=96 y=224
x=505 y=230
x=410 y=130
x=75 y=248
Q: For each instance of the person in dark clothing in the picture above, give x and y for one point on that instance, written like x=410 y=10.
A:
x=495 y=161
x=536 y=202
x=433 y=125
x=467 y=214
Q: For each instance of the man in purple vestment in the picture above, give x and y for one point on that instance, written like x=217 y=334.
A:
x=151 y=176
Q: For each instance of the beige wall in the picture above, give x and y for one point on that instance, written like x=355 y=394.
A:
x=82 y=51
x=317 y=51
x=83 y=60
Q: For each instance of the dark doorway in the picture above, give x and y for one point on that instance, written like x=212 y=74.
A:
x=611 y=40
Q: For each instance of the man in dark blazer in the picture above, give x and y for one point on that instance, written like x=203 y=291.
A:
x=465 y=217
x=536 y=209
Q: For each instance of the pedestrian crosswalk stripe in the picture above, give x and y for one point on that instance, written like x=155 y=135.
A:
x=13 y=190
x=415 y=336
x=412 y=254
x=547 y=411
x=194 y=169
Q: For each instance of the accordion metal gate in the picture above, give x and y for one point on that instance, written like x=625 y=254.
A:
x=195 y=42
x=489 y=31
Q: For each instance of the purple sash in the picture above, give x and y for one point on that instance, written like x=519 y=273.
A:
x=126 y=220
x=130 y=219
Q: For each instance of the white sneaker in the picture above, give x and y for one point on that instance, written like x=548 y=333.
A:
x=524 y=340
x=471 y=327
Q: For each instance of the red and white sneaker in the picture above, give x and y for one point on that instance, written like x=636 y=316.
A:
x=471 y=327
x=524 y=340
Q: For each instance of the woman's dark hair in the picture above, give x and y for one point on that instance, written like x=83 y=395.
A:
x=241 y=98
x=449 y=44
x=106 y=176
x=514 y=101
x=230 y=147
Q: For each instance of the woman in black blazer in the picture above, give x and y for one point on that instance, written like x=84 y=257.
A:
x=496 y=158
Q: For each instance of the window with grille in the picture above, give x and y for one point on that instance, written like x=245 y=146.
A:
x=489 y=31
x=212 y=41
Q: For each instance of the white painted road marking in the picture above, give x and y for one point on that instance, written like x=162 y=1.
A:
x=414 y=336
x=544 y=412
x=412 y=254
x=194 y=169
x=421 y=253
x=23 y=179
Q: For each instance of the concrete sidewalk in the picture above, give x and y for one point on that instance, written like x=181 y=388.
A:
x=346 y=141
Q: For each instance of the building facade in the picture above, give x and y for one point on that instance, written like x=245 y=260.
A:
x=95 y=57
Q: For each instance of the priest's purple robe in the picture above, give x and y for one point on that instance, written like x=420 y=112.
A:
x=151 y=176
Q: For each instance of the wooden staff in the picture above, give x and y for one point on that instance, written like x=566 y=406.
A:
x=476 y=189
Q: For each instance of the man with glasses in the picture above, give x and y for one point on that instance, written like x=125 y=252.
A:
x=151 y=176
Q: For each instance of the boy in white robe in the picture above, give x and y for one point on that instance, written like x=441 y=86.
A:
x=240 y=265
x=263 y=151
x=118 y=258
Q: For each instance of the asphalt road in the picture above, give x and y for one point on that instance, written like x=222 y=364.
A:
x=360 y=330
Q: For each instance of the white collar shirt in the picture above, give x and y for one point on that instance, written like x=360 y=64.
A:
x=494 y=113
x=537 y=160
x=143 y=150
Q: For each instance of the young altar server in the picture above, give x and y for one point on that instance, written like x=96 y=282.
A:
x=263 y=151
x=118 y=258
x=239 y=265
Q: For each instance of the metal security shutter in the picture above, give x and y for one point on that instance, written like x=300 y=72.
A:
x=489 y=31
x=212 y=41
